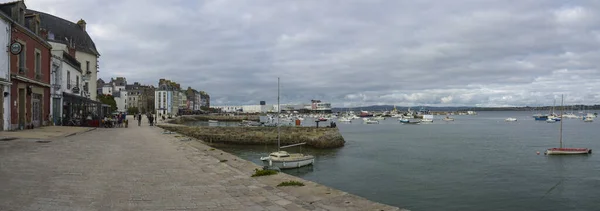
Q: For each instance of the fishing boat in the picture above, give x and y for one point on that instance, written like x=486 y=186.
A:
x=365 y=114
x=566 y=151
x=510 y=119
x=411 y=122
x=427 y=118
x=282 y=159
x=540 y=117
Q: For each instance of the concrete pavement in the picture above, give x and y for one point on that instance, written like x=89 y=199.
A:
x=48 y=132
x=140 y=168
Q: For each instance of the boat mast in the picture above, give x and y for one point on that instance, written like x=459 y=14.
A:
x=278 y=116
x=561 y=118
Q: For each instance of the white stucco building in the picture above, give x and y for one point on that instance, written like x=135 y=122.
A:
x=164 y=101
x=5 y=84
x=82 y=48
x=66 y=78
x=121 y=100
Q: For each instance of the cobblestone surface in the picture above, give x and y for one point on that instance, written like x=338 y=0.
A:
x=140 y=168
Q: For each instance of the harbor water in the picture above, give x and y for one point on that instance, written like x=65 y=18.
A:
x=477 y=162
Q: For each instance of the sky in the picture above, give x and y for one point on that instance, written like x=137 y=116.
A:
x=351 y=52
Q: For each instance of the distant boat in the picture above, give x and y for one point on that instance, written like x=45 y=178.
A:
x=588 y=119
x=510 y=119
x=540 y=117
x=322 y=119
x=427 y=118
x=379 y=118
x=447 y=118
x=370 y=121
x=365 y=114
x=566 y=151
x=550 y=120
x=344 y=119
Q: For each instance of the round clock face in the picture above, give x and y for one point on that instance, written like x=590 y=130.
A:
x=16 y=48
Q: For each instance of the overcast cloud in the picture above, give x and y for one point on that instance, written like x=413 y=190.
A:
x=351 y=52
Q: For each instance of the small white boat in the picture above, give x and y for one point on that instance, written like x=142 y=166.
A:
x=379 y=118
x=285 y=160
x=550 y=120
x=510 y=119
x=427 y=120
x=370 y=121
x=212 y=121
x=588 y=119
x=570 y=116
x=447 y=118
x=344 y=119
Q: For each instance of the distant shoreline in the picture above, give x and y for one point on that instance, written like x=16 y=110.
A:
x=416 y=108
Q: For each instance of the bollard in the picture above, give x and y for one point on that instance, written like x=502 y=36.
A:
x=317 y=123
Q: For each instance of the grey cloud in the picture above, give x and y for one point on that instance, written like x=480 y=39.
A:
x=464 y=52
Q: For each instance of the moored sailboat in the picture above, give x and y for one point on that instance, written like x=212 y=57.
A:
x=566 y=151
x=283 y=159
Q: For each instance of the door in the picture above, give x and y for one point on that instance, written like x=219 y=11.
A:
x=36 y=107
x=56 y=107
x=2 y=107
x=21 y=109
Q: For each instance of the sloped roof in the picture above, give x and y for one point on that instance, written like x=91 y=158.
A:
x=62 y=29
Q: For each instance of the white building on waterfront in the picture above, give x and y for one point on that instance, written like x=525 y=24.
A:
x=164 y=101
x=5 y=73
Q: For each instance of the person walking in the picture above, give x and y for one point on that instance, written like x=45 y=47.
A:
x=139 y=119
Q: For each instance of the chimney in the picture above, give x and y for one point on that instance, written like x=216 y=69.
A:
x=81 y=24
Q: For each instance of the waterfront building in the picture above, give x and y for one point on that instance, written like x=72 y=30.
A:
x=166 y=98
x=74 y=38
x=29 y=68
x=140 y=97
x=204 y=100
x=5 y=85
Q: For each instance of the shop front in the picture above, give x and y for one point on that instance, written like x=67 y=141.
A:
x=81 y=111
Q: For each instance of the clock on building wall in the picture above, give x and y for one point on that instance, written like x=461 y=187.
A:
x=16 y=48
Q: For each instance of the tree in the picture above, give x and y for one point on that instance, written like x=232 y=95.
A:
x=132 y=110
x=108 y=100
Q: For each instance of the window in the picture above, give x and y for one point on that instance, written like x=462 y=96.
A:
x=22 y=68
x=77 y=81
x=68 y=79
x=87 y=66
x=38 y=64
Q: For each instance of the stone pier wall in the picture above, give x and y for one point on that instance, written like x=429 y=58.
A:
x=314 y=137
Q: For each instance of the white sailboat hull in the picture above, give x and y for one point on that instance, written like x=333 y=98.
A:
x=288 y=164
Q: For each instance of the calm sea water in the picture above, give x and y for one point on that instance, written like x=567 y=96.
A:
x=474 y=163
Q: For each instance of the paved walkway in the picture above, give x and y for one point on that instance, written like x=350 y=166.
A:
x=140 y=168
x=47 y=132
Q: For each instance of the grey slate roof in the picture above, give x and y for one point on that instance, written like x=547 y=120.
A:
x=62 y=29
